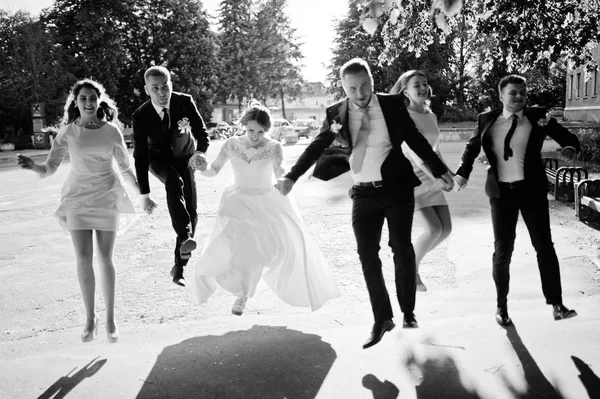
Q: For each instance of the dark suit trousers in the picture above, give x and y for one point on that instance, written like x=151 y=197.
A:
x=370 y=207
x=535 y=213
x=178 y=178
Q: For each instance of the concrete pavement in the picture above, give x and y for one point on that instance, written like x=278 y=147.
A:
x=458 y=351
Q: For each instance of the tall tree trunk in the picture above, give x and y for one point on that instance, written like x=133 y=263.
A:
x=460 y=94
x=282 y=103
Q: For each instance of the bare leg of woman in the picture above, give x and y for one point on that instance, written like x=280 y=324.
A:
x=82 y=241
x=105 y=241
x=438 y=225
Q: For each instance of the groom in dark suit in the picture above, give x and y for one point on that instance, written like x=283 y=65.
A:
x=371 y=129
x=512 y=139
x=169 y=136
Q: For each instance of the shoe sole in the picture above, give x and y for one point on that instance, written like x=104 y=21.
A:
x=185 y=250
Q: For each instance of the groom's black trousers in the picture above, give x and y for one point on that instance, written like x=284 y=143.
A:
x=370 y=207
x=178 y=178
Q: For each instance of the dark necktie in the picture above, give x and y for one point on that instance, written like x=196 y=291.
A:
x=361 y=142
x=508 y=152
x=165 y=121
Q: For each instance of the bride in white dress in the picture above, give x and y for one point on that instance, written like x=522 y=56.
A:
x=258 y=232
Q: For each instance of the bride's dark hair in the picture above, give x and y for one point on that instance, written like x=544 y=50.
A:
x=256 y=112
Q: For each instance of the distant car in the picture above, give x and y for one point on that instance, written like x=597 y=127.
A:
x=128 y=136
x=303 y=127
x=282 y=130
x=219 y=130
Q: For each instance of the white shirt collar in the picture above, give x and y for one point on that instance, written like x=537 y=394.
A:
x=373 y=103
x=507 y=114
x=159 y=109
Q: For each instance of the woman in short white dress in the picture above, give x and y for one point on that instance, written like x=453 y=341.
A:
x=258 y=232
x=430 y=203
x=93 y=198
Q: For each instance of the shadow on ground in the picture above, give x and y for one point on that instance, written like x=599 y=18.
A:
x=65 y=384
x=262 y=362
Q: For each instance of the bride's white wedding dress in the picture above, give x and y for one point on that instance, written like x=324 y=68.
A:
x=258 y=233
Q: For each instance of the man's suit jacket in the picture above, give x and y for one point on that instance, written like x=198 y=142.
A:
x=151 y=142
x=535 y=175
x=396 y=170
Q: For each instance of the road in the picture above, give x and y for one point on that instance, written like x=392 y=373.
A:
x=40 y=302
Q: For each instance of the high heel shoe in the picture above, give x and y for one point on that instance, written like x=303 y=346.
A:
x=112 y=337
x=88 y=335
x=238 y=306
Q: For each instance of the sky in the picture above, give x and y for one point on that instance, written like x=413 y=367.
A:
x=311 y=18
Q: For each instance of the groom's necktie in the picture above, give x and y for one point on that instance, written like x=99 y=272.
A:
x=508 y=152
x=165 y=120
x=361 y=142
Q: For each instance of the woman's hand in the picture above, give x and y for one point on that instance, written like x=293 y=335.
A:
x=25 y=162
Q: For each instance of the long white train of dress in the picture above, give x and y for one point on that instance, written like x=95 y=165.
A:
x=259 y=233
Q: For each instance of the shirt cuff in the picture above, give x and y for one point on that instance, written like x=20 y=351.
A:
x=144 y=196
x=571 y=147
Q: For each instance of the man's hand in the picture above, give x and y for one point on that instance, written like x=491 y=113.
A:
x=284 y=185
x=199 y=162
x=446 y=181
x=568 y=153
x=148 y=205
x=460 y=181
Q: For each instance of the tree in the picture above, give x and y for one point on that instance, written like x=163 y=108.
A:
x=31 y=70
x=279 y=75
x=237 y=51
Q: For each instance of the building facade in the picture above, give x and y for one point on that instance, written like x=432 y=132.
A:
x=583 y=96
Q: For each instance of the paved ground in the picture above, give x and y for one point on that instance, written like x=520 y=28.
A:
x=173 y=348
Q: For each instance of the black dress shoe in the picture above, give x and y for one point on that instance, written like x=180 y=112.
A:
x=378 y=330
x=177 y=273
x=410 y=321
x=502 y=317
x=560 y=312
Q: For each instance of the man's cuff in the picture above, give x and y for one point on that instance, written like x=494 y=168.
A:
x=571 y=147
x=144 y=196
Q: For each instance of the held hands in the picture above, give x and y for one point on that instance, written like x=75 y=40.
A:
x=460 y=181
x=199 y=162
x=445 y=181
x=148 y=204
x=284 y=185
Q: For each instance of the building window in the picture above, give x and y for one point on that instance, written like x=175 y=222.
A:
x=585 y=87
x=577 y=91
x=571 y=86
x=596 y=82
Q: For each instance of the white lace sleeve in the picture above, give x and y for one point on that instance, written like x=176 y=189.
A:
x=57 y=153
x=122 y=158
x=215 y=167
x=277 y=157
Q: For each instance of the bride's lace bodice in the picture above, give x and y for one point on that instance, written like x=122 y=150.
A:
x=253 y=168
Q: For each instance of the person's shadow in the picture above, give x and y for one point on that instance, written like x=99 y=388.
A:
x=65 y=384
x=590 y=381
x=262 y=362
x=538 y=384
x=381 y=390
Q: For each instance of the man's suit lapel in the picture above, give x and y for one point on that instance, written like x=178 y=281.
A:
x=487 y=124
x=344 y=120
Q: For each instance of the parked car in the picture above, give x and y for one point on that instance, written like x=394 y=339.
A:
x=283 y=130
x=219 y=130
x=303 y=127
x=128 y=136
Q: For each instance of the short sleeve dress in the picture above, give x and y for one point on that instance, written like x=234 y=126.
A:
x=93 y=196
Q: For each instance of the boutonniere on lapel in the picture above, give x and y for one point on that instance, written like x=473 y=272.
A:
x=184 y=126
x=335 y=127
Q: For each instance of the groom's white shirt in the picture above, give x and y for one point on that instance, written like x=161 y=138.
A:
x=378 y=141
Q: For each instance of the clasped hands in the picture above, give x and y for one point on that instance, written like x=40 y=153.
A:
x=199 y=162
